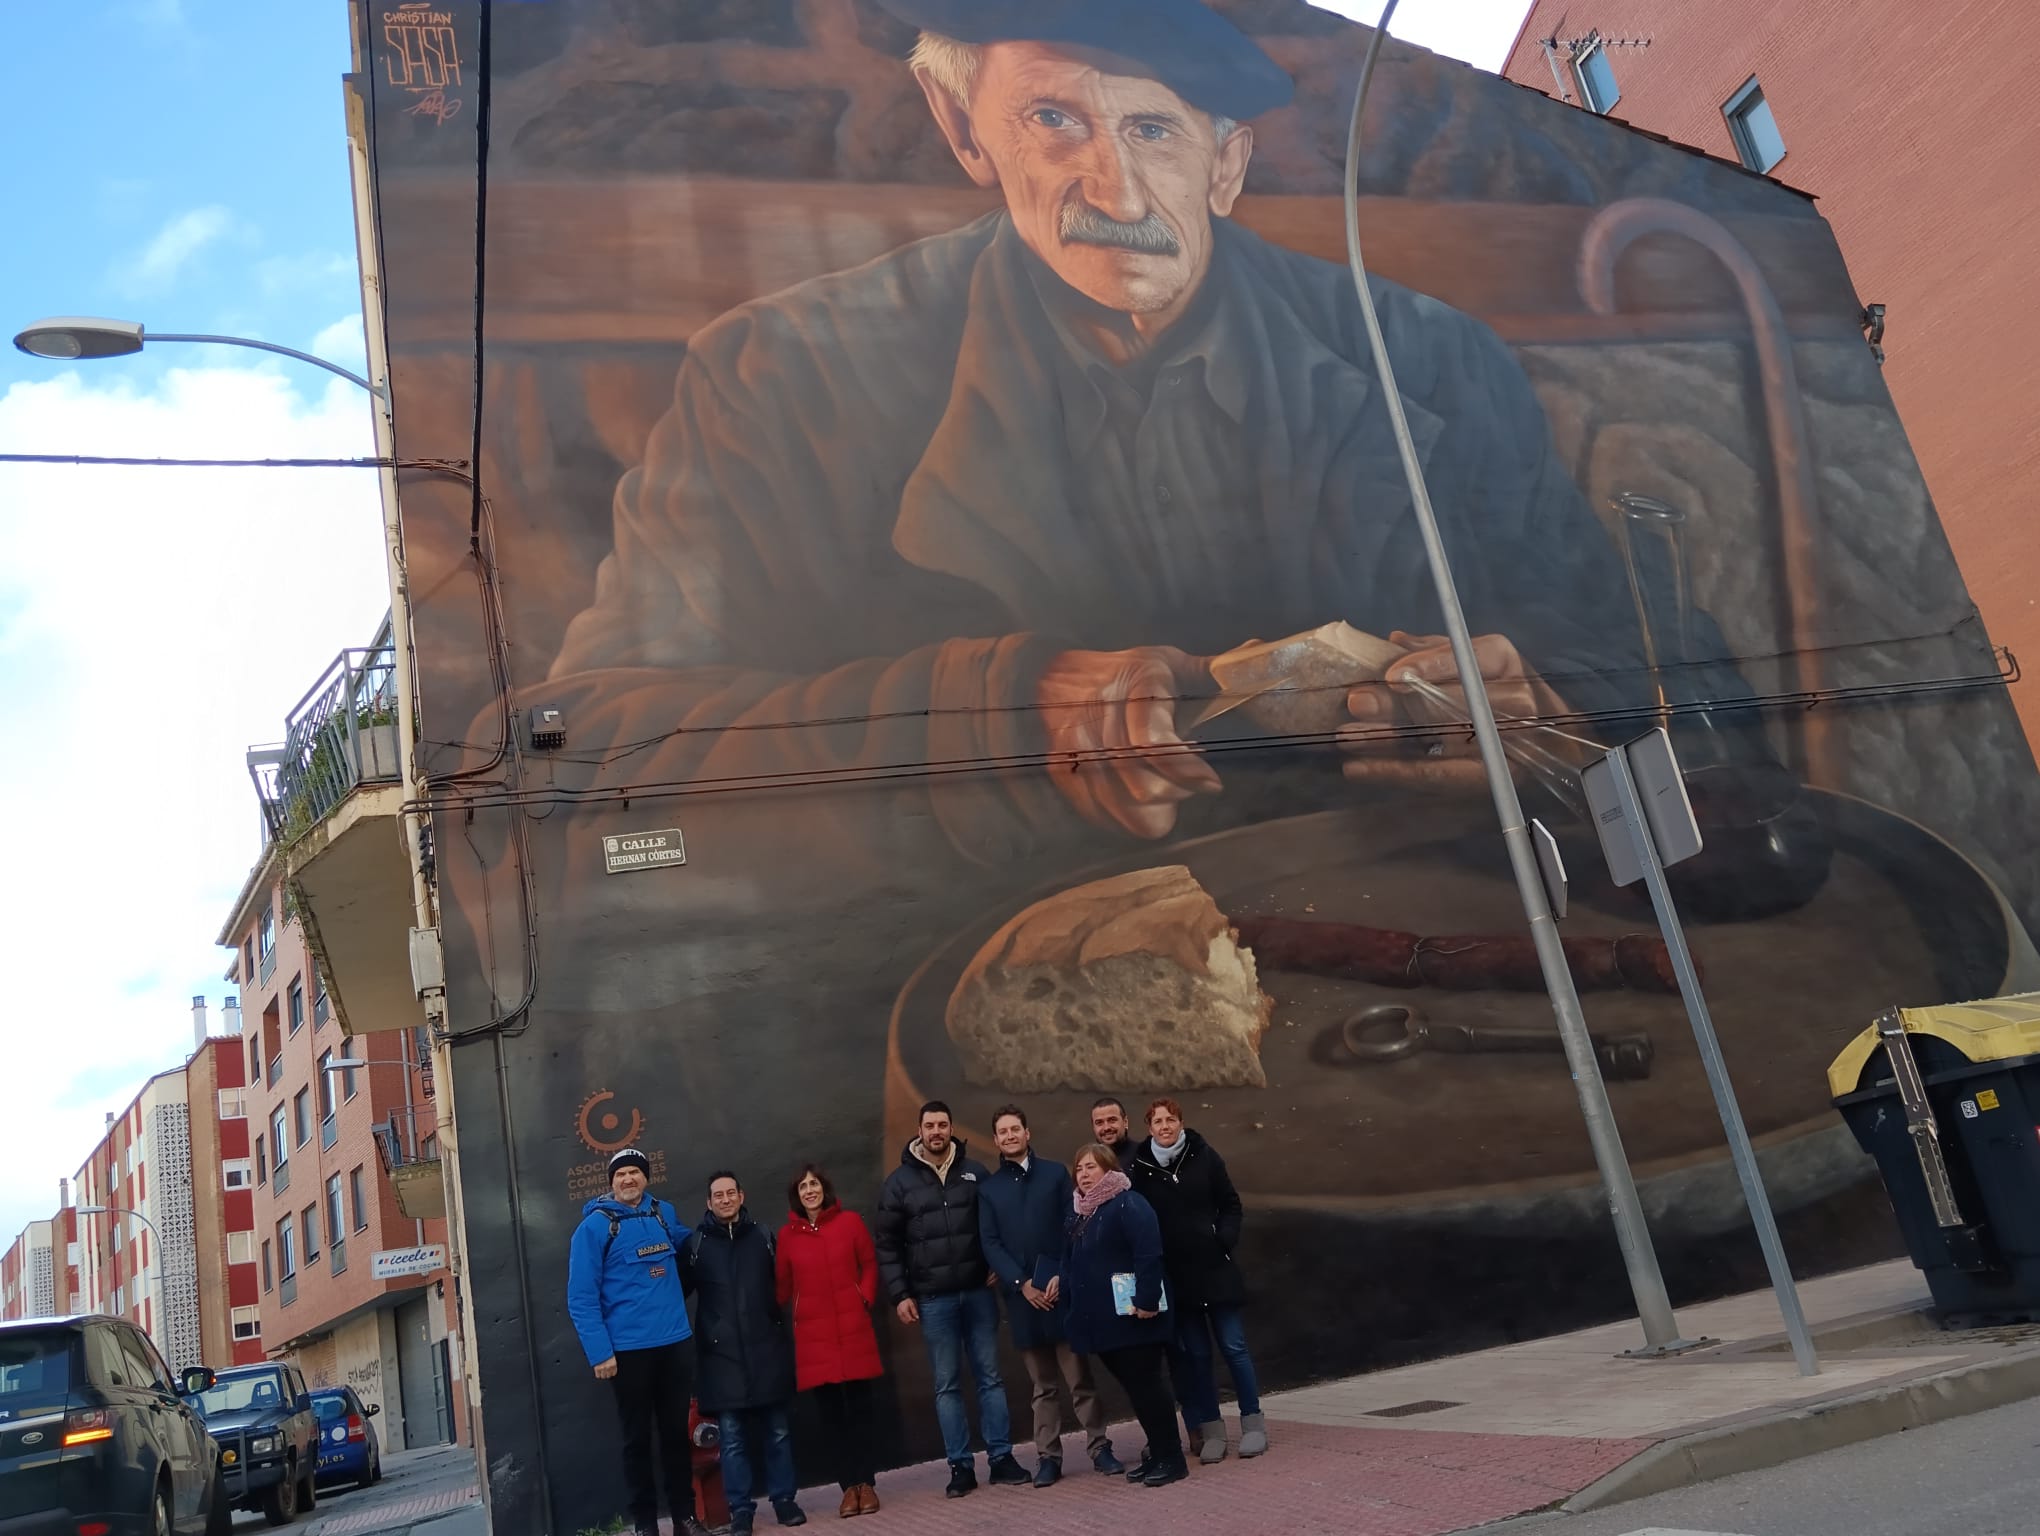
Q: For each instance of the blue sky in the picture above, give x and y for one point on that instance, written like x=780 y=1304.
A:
x=183 y=163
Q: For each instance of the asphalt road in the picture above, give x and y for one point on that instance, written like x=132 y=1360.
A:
x=434 y=1476
x=1974 y=1476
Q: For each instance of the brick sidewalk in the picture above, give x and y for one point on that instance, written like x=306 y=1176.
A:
x=1316 y=1480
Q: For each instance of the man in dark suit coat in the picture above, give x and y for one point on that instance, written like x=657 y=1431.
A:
x=1022 y=1212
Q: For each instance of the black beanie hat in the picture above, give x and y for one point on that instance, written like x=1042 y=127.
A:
x=630 y=1157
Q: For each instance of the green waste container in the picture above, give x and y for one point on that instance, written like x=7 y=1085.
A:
x=1947 y=1100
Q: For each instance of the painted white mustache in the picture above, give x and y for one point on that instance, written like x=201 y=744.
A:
x=1081 y=224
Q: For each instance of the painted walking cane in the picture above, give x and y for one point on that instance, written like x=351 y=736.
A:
x=1612 y=232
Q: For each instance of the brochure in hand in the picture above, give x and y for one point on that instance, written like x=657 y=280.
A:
x=1122 y=1296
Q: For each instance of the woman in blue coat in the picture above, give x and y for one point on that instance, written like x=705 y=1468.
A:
x=1112 y=1280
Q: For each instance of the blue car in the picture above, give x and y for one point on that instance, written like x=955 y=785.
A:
x=348 y=1449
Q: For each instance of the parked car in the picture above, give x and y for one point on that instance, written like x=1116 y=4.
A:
x=94 y=1439
x=261 y=1415
x=350 y=1452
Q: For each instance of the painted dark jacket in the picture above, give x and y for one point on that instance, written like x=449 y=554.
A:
x=890 y=495
x=1121 y=1237
x=927 y=1227
x=626 y=1293
x=1021 y=1216
x=1200 y=1214
x=743 y=1350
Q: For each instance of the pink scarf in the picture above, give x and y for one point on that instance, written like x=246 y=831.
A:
x=1113 y=1183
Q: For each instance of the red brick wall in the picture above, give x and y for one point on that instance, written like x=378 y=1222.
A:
x=1915 y=130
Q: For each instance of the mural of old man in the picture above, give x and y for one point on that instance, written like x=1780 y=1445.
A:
x=991 y=495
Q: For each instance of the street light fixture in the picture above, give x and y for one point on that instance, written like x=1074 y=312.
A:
x=75 y=338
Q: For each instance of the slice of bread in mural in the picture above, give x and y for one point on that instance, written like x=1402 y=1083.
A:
x=1133 y=983
x=1299 y=685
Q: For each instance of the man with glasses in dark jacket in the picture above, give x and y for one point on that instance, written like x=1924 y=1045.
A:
x=745 y=1353
x=1022 y=1212
x=933 y=1266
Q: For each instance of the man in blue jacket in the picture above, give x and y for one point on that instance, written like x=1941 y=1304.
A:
x=1022 y=1211
x=624 y=1295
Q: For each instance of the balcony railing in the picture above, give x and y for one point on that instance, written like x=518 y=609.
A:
x=342 y=733
x=322 y=1007
x=279 y=1180
x=338 y=1256
x=288 y=1289
x=329 y=1132
x=268 y=965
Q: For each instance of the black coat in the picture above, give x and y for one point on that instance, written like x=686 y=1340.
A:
x=927 y=1228
x=742 y=1343
x=1021 y=1217
x=1200 y=1214
x=1121 y=1237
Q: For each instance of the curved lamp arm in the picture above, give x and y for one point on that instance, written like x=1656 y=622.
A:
x=269 y=346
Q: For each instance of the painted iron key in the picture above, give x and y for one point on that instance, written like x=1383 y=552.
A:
x=1391 y=1031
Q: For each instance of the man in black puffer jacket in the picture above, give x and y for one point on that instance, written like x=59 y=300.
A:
x=744 y=1373
x=935 y=1275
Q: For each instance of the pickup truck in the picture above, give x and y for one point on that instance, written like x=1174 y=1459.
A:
x=261 y=1417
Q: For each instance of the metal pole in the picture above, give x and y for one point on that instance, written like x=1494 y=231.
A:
x=1739 y=1149
x=1653 y=1306
x=269 y=346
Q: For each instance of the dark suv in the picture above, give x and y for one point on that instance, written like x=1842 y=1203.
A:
x=94 y=1440
x=262 y=1418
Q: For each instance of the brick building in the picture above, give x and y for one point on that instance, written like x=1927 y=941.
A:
x=1922 y=159
x=30 y=1270
x=163 y=1223
x=329 y=1153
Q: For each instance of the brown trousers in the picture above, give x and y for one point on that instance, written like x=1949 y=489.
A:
x=1052 y=1367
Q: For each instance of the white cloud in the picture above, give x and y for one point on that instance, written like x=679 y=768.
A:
x=162 y=261
x=1478 y=31
x=153 y=624
x=319 y=271
x=342 y=342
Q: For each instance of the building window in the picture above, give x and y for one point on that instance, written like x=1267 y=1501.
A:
x=350 y=1079
x=322 y=1006
x=1595 y=76
x=360 y=1208
x=247 y=1322
x=233 y=1104
x=297 y=1004
x=268 y=1280
x=1757 y=141
x=311 y=1224
x=248 y=957
x=336 y=1216
x=428 y=1148
x=238 y=1173
x=301 y=1115
x=261 y=1162
x=240 y=1247
x=325 y=1086
x=265 y=933
x=286 y=1248
x=279 y=1137
x=255 y=1060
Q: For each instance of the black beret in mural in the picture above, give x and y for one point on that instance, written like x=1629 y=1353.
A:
x=1185 y=44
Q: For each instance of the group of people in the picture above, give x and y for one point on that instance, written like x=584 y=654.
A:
x=1126 y=1256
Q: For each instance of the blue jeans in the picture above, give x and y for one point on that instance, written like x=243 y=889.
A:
x=960 y=1323
x=1190 y=1363
x=738 y=1432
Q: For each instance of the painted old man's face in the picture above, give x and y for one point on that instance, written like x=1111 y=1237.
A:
x=1112 y=179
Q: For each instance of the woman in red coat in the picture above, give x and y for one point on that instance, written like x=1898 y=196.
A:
x=828 y=1279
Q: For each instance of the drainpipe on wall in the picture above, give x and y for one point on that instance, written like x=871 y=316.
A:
x=428 y=977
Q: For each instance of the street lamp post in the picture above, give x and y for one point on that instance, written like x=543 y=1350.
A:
x=82 y=338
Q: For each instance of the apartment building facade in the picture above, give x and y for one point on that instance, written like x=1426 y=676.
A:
x=28 y=1271
x=349 y=1287
x=1922 y=160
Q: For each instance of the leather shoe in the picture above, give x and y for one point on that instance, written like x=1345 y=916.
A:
x=787 y=1512
x=867 y=1500
x=962 y=1479
x=1141 y=1468
x=1108 y=1463
x=1008 y=1473
x=853 y=1503
x=1048 y=1473
x=1174 y=1470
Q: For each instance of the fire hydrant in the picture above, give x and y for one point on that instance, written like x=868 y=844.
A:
x=711 y=1506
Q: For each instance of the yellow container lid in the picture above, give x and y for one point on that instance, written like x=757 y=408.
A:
x=1994 y=1029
